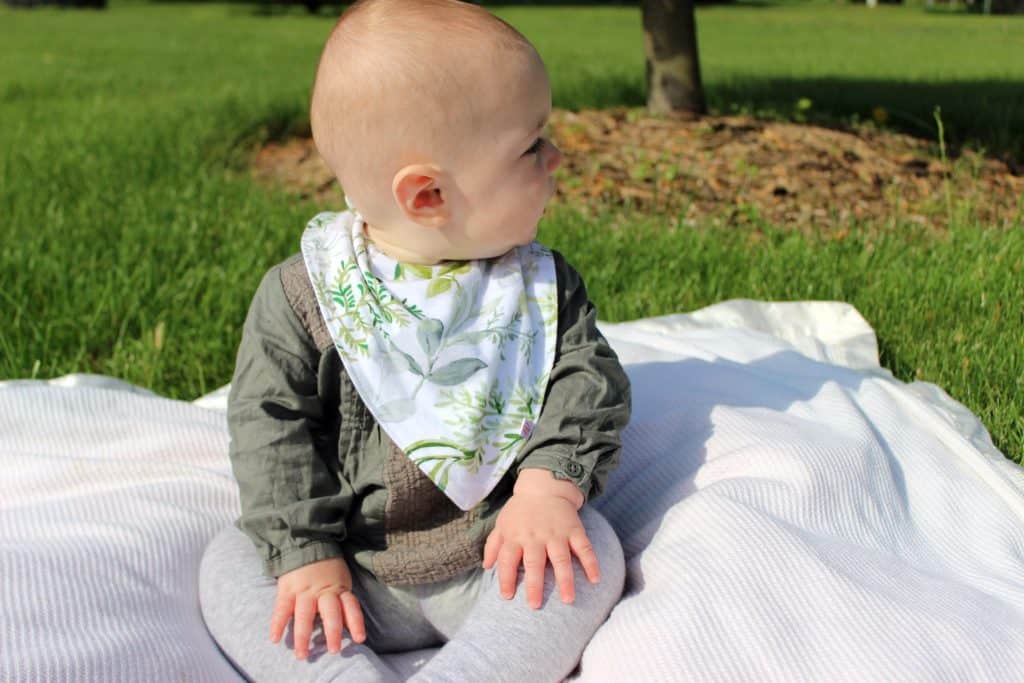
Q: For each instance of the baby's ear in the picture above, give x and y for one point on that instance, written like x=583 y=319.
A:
x=417 y=190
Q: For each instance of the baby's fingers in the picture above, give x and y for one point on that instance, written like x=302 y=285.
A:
x=302 y=628
x=580 y=544
x=353 y=616
x=535 y=559
x=508 y=569
x=283 y=606
x=561 y=565
x=491 y=548
x=330 y=617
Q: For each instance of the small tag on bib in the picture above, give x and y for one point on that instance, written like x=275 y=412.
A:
x=526 y=429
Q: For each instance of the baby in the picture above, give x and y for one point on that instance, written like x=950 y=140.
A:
x=422 y=404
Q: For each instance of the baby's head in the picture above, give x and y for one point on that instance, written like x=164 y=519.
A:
x=431 y=114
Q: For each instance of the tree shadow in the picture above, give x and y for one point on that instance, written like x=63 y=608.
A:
x=984 y=113
x=673 y=406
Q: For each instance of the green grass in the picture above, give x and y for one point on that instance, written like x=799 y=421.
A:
x=847 y=60
x=133 y=238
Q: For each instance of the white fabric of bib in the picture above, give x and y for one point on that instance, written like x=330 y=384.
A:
x=452 y=360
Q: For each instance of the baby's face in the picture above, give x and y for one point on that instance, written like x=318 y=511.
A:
x=507 y=180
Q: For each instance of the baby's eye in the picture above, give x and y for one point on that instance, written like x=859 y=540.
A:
x=535 y=147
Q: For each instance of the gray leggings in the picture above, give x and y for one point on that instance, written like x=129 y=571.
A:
x=484 y=636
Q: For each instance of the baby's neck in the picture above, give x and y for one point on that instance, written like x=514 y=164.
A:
x=397 y=252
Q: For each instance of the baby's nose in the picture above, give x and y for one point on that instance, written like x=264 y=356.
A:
x=554 y=159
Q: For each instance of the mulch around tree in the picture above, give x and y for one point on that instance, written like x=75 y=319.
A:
x=736 y=170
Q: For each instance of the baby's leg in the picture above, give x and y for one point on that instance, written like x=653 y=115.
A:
x=506 y=640
x=237 y=601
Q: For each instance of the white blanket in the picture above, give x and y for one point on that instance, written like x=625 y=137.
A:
x=789 y=511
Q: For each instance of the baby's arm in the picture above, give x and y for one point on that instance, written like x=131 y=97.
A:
x=293 y=504
x=588 y=398
x=566 y=461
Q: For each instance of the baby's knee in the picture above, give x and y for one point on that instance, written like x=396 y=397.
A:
x=230 y=562
x=220 y=551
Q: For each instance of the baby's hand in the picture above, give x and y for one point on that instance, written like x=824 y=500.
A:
x=324 y=586
x=534 y=527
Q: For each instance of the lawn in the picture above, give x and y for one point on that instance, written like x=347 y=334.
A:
x=133 y=236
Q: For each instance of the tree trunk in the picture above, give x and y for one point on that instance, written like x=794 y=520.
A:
x=673 y=71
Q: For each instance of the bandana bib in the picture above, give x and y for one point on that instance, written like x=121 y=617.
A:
x=452 y=360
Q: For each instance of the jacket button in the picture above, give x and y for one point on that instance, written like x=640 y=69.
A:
x=574 y=469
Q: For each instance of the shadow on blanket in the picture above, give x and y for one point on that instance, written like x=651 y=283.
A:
x=678 y=403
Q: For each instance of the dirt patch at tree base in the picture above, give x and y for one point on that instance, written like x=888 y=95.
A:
x=737 y=170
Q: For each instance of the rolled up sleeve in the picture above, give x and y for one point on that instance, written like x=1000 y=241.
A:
x=588 y=401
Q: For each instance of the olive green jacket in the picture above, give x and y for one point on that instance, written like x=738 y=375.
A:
x=318 y=478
